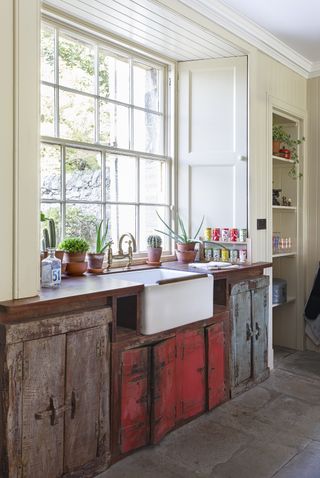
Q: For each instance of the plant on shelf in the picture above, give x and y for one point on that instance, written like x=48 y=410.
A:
x=280 y=136
x=75 y=250
x=154 y=249
x=49 y=239
x=185 y=244
x=95 y=259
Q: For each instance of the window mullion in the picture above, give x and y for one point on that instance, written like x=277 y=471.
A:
x=63 y=191
x=97 y=92
x=56 y=88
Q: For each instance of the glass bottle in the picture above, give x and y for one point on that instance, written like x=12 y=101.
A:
x=51 y=270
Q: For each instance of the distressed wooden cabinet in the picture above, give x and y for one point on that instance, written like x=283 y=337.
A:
x=249 y=336
x=55 y=396
x=165 y=383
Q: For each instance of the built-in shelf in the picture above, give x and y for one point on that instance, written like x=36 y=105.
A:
x=285 y=208
x=229 y=243
x=283 y=160
x=289 y=300
x=284 y=254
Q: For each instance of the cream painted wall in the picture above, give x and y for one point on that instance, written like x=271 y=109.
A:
x=19 y=133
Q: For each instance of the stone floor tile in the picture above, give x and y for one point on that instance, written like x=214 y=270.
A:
x=259 y=460
x=280 y=353
x=302 y=363
x=304 y=465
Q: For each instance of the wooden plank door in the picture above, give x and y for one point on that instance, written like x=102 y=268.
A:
x=217 y=364
x=190 y=374
x=134 y=417
x=87 y=398
x=260 y=300
x=163 y=398
x=241 y=343
x=43 y=400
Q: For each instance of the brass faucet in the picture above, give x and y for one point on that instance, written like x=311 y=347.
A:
x=132 y=247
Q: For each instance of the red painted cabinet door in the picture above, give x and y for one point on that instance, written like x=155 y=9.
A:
x=190 y=374
x=216 y=346
x=134 y=419
x=164 y=389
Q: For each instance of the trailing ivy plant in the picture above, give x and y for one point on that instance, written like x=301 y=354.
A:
x=279 y=134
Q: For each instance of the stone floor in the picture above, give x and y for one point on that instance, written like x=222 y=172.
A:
x=272 y=430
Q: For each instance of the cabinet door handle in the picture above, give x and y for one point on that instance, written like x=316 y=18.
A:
x=258 y=331
x=249 y=331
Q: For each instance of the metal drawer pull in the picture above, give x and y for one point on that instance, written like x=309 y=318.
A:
x=258 y=331
x=54 y=411
x=249 y=332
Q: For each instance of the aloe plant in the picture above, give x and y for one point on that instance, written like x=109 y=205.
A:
x=101 y=238
x=182 y=237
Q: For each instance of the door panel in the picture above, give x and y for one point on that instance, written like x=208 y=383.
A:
x=260 y=298
x=213 y=141
x=86 y=415
x=217 y=390
x=43 y=398
x=164 y=389
x=190 y=373
x=135 y=423
x=241 y=337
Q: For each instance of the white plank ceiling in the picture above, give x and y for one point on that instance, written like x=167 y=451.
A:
x=150 y=24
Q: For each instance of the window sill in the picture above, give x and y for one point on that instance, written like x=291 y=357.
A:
x=121 y=263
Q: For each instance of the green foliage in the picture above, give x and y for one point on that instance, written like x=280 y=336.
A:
x=101 y=238
x=49 y=235
x=279 y=134
x=74 y=245
x=182 y=237
x=80 y=223
x=154 y=241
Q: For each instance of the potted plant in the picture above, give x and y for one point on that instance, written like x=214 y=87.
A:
x=185 y=245
x=75 y=250
x=154 y=250
x=278 y=137
x=95 y=259
x=49 y=240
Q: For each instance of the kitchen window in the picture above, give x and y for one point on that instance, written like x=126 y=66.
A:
x=105 y=151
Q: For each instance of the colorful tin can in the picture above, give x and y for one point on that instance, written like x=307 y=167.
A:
x=243 y=234
x=207 y=234
x=234 y=234
x=216 y=234
x=225 y=234
x=216 y=254
x=234 y=255
x=208 y=254
x=224 y=255
x=243 y=255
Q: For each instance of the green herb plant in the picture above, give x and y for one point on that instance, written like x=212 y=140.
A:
x=73 y=245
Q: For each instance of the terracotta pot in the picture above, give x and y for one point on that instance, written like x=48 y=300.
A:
x=76 y=268
x=154 y=255
x=276 y=145
x=74 y=257
x=189 y=246
x=95 y=260
x=186 y=256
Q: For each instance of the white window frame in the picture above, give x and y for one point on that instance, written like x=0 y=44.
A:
x=166 y=111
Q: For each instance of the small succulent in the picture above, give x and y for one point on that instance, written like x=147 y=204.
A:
x=73 y=245
x=154 y=241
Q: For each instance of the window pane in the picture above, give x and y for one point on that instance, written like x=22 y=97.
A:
x=121 y=178
x=114 y=125
x=83 y=175
x=47 y=110
x=76 y=63
x=113 y=76
x=153 y=181
x=149 y=221
x=122 y=220
x=52 y=211
x=76 y=117
x=81 y=220
x=50 y=171
x=47 y=53
x=148 y=132
x=146 y=80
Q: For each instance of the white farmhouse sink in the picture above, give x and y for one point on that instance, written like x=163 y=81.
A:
x=171 y=298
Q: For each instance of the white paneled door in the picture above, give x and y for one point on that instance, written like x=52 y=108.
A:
x=212 y=158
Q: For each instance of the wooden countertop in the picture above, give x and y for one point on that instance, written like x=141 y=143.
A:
x=92 y=290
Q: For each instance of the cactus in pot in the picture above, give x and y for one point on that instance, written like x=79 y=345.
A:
x=49 y=240
x=154 y=249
